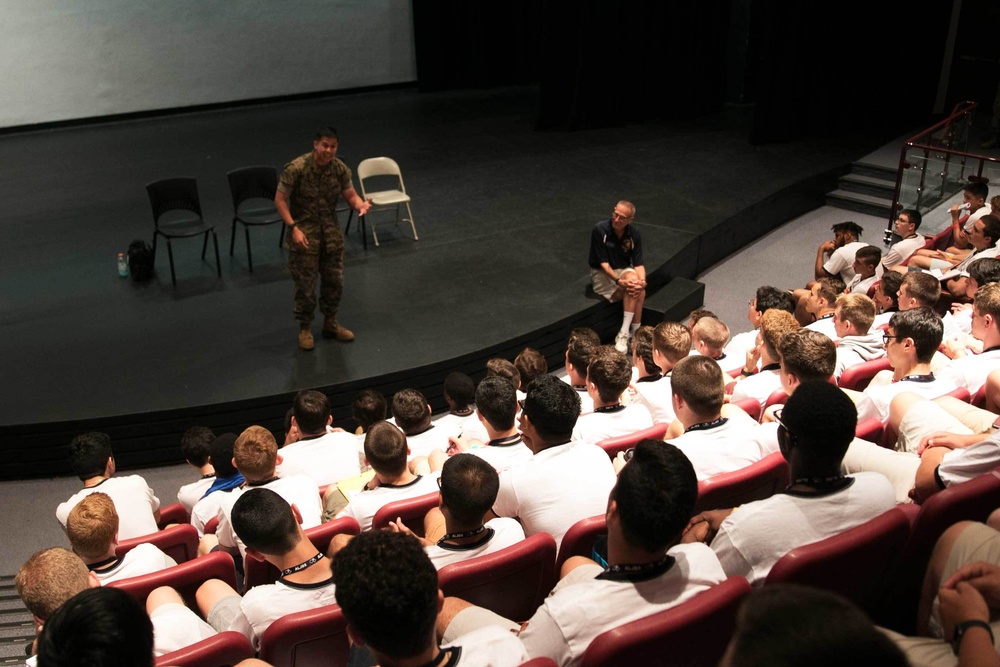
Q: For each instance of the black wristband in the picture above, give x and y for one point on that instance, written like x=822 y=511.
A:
x=960 y=629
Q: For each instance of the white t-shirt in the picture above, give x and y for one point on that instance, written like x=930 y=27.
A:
x=207 y=509
x=327 y=459
x=582 y=606
x=605 y=423
x=134 y=501
x=503 y=456
x=876 y=398
x=970 y=371
x=263 y=605
x=366 y=504
x=976 y=215
x=825 y=326
x=752 y=539
x=758 y=387
x=436 y=437
x=657 y=397
x=467 y=426
x=586 y=402
x=140 y=560
x=731 y=445
x=297 y=490
x=740 y=343
x=506 y=533
x=967 y=463
x=841 y=262
x=189 y=494
x=900 y=252
x=859 y=285
x=556 y=488
x=489 y=646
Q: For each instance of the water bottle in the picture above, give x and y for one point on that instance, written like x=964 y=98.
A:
x=122 y=265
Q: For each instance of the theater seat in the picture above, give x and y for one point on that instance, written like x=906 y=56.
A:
x=777 y=397
x=180 y=542
x=212 y=525
x=257 y=573
x=871 y=430
x=960 y=393
x=858 y=377
x=184 y=578
x=511 y=582
x=979 y=398
x=307 y=638
x=857 y=563
x=222 y=650
x=751 y=406
x=614 y=445
x=695 y=632
x=411 y=510
x=755 y=482
x=579 y=539
x=173 y=513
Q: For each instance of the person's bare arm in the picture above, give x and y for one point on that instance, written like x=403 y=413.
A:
x=824 y=249
x=297 y=237
x=353 y=200
x=925 y=482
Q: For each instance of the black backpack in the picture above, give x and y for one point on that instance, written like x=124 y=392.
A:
x=140 y=261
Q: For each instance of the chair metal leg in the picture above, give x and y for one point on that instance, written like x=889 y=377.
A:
x=155 y=236
x=170 y=254
x=412 y=226
x=246 y=228
x=350 y=214
x=204 y=246
x=364 y=237
x=218 y=264
x=232 y=237
x=281 y=235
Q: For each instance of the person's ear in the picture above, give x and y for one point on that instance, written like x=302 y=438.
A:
x=278 y=459
x=353 y=635
x=296 y=513
x=329 y=420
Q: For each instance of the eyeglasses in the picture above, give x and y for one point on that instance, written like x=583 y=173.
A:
x=781 y=424
x=887 y=337
x=439 y=482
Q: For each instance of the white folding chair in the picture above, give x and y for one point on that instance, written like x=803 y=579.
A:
x=384 y=199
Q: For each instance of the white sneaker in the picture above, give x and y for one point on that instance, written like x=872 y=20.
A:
x=621 y=342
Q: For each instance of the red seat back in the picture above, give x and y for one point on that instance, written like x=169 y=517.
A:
x=180 y=542
x=751 y=406
x=858 y=377
x=614 y=445
x=695 y=632
x=184 y=578
x=961 y=393
x=173 y=513
x=222 y=650
x=856 y=563
x=306 y=638
x=411 y=510
x=755 y=482
x=579 y=539
x=258 y=573
x=979 y=398
x=870 y=429
x=212 y=525
x=512 y=582
x=778 y=396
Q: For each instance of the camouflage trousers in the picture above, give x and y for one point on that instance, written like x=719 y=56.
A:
x=323 y=259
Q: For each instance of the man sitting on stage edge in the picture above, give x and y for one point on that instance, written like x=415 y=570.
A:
x=616 y=269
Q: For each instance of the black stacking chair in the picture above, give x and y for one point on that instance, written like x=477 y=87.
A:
x=177 y=215
x=253 y=191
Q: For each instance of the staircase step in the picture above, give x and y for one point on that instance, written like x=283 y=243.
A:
x=874 y=171
x=861 y=203
x=866 y=185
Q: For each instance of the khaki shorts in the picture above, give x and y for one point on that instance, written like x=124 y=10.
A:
x=606 y=287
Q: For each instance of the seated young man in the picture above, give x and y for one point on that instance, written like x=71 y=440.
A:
x=714 y=444
x=93 y=462
x=911 y=340
x=963 y=218
x=970 y=370
x=324 y=455
x=496 y=409
x=92 y=529
x=271 y=530
x=608 y=377
x=386 y=451
x=668 y=343
x=582 y=342
x=648 y=570
x=766 y=297
x=564 y=481
x=886 y=298
x=852 y=320
x=412 y=414
x=227 y=478
x=530 y=363
x=255 y=454
x=821 y=304
x=499 y=367
x=918 y=290
x=958 y=321
x=388 y=591
x=907 y=223
x=709 y=336
x=368 y=408
x=458 y=529
x=760 y=385
x=815 y=429
x=866 y=264
x=460 y=395
x=194 y=447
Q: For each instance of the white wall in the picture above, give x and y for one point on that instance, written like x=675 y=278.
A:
x=66 y=59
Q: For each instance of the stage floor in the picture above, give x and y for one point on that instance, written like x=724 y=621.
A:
x=503 y=213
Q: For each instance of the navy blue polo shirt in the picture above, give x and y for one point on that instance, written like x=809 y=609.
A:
x=605 y=246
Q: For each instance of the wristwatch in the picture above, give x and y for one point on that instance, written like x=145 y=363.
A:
x=960 y=629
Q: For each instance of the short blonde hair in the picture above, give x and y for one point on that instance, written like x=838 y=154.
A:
x=92 y=525
x=712 y=332
x=673 y=340
x=49 y=578
x=987 y=300
x=774 y=324
x=857 y=309
x=256 y=454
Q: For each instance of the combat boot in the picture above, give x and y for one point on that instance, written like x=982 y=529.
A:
x=306 y=341
x=332 y=329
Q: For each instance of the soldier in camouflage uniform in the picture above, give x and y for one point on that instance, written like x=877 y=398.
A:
x=306 y=200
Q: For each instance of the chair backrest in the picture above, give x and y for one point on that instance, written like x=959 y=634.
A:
x=979 y=398
x=306 y=638
x=939 y=241
x=378 y=166
x=695 y=632
x=173 y=194
x=540 y=662
x=751 y=406
x=858 y=376
x=220 y=650
x=870 y=429
x=173 y=513
x=614 y=445
x=212 y=525
x=258 y=573
x=857 y=563
x=755 y=482
x=961 y=393
x=411 y=510
x=252 y=183
x=511 y=582
x=778 y=396
x=180 y=542
x=579 y=539
x=184 y=578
